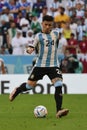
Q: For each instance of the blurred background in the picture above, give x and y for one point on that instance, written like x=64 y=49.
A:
x=20 y=21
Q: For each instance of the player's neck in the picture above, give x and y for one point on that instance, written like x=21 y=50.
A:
x=45 y=32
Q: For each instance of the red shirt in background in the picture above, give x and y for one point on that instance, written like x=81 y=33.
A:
x=83 y=46
x=72 y=46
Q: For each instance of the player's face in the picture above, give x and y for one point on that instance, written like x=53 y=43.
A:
x=47 y=26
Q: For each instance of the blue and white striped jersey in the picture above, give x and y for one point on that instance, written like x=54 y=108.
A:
x=48 y=44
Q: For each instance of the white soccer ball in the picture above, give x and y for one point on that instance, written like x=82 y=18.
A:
x=40 y=111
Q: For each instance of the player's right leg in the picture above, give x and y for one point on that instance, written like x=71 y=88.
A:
x=57 y=81
x=62 y=112
x=58 y=98
x=23 y=87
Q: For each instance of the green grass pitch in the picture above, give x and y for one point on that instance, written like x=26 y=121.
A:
x=18 y=115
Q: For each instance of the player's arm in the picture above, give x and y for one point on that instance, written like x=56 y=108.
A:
x=32 y=48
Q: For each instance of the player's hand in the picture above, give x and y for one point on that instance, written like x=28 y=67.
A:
x=29 y=50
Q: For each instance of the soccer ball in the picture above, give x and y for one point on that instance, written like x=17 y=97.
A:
x=40 y=111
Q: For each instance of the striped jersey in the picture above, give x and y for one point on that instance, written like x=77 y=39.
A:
x=47 y=44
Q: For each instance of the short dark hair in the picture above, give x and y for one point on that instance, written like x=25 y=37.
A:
x=48 y=18
x=72 y=34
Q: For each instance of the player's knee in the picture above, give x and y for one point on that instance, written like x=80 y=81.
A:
x=58 y=83
x=30 y=85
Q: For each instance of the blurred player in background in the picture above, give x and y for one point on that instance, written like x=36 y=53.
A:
x=46 y=64
x=2 y=67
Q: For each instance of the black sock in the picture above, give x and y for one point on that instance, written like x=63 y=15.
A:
x=58 y=97
x=22 y=88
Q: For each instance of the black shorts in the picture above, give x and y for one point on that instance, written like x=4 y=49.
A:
x=38 y=73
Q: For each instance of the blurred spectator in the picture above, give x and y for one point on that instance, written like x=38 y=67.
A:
x=79 y=11
x=71 y=7
x=5 y=13
x=14 y=8
x=59 y=11
x=24 y=7
x=2 y=4
x=25 y=26
x=83 y=45
x=54 y=6
x=35 y=24
x=30 y=36
x=30 y=41
x=72 y=45
x=67 y=31
x=38 y=6
x=62 y=17
x=11 y=17
x=29 y=17
x=57 y=27
x=4 y=50
x=64 y=62
x=44 y=12
x=71 y=64
x=81 y=29
x=18 y=43
x=61 y=47
x=73 y=26
x=2 y=66
x=80 y=67
x=75 y=65
x=19 y=17
x=82 y=3
x=85 y=20
x=11 y=33
x=4 y=30
x=83 y=58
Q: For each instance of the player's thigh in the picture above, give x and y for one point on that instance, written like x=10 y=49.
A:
x=55 y=74
x=36 y=74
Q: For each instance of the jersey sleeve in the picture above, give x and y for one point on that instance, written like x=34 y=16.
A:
x=36 y=40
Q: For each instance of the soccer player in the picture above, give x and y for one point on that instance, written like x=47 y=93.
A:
x=2 y=66
x=46 y=64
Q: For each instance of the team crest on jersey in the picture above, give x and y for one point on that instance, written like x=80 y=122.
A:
x=32 y=76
